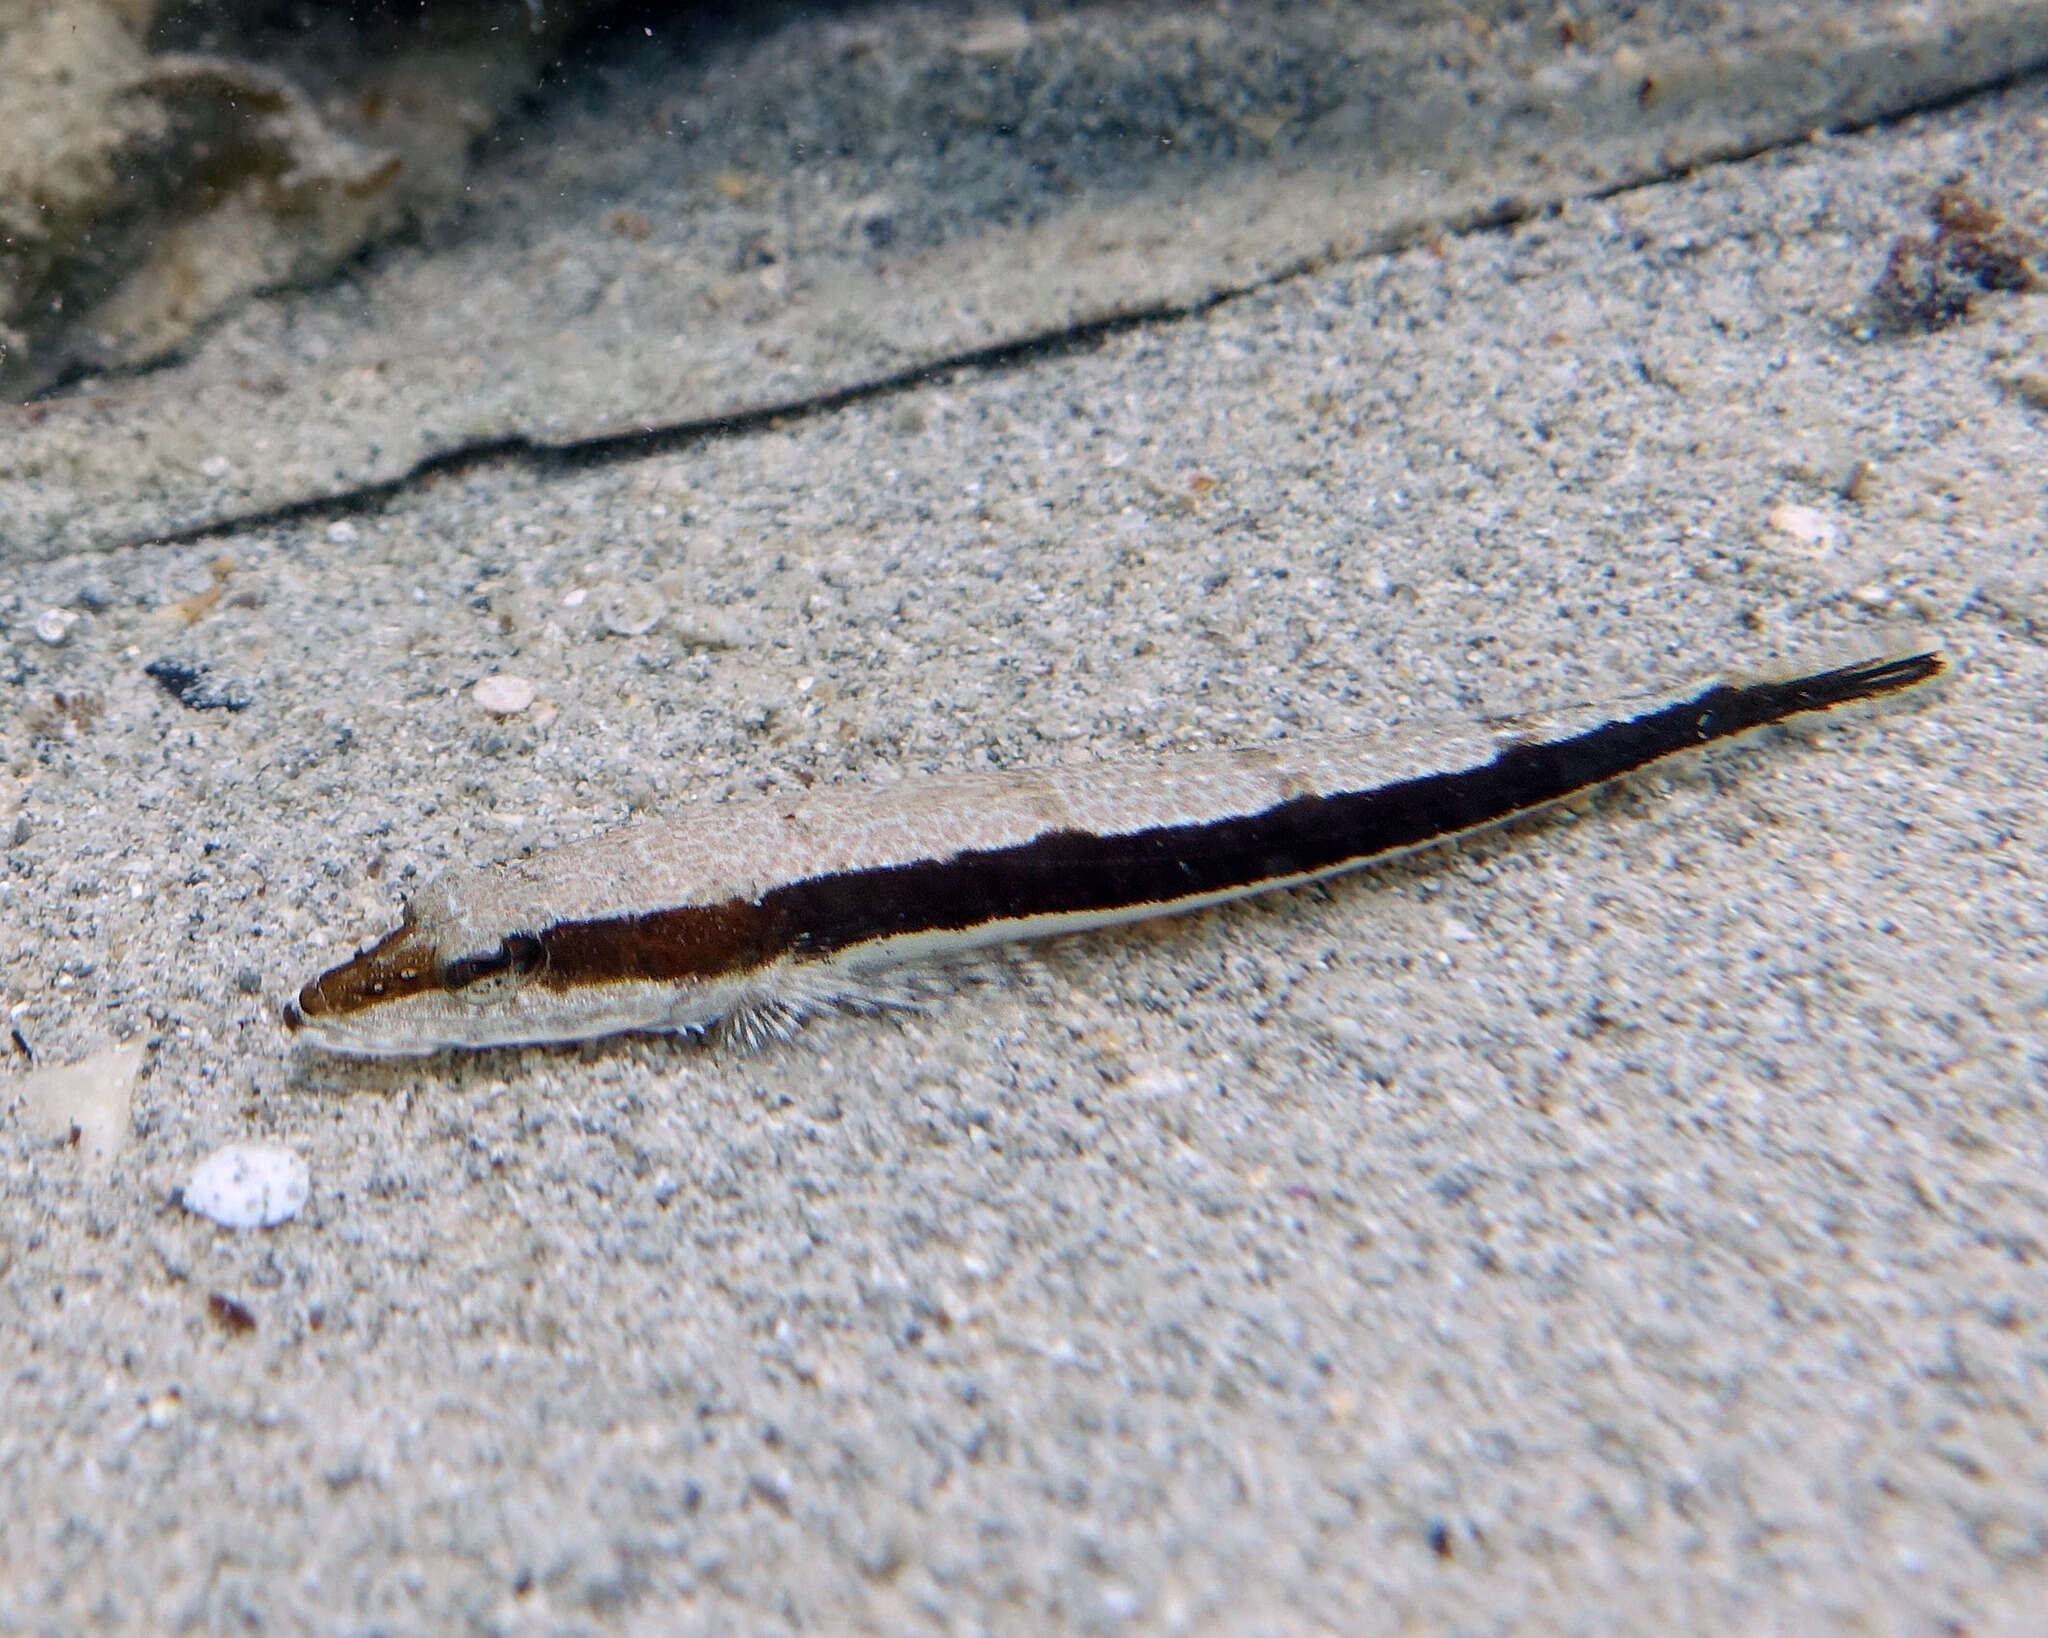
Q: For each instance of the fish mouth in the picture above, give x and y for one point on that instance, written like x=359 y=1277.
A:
x=311 y=1010
x=351 y=1010
x=400 y=966
x=299 y=1019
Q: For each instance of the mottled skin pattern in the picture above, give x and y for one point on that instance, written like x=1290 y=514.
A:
x=745 y=908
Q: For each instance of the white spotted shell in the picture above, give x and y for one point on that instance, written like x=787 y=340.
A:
x=248 y=1185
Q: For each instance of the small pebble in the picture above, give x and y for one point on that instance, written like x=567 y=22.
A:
x=1808 y=525
x=2032 y=386
x=634 y=612
x=713 y=628
x=248 y=1185
x=503 y=696
x=1001 y=36
x=215 y=467
x=343 y=533
x=191 y=684
x=53 y=626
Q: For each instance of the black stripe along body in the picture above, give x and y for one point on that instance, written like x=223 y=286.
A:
x=776 y=948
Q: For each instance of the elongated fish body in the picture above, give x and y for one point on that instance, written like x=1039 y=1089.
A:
x=760 y=911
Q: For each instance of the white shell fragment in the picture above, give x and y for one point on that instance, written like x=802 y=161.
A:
x=88 y=1098
x=1808 y=525
x=249 y=1185
x=502 y=695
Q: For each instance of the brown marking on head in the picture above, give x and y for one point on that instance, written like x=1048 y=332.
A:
x=402 y=963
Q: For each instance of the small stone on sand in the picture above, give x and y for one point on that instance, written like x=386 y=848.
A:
x=2032 y=386
x=1808 y=525
x=502 y=695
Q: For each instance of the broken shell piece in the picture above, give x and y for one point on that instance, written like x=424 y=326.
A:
x=85 y=1103
x=248 y=1185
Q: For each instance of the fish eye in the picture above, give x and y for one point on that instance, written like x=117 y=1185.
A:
x=520 y=954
